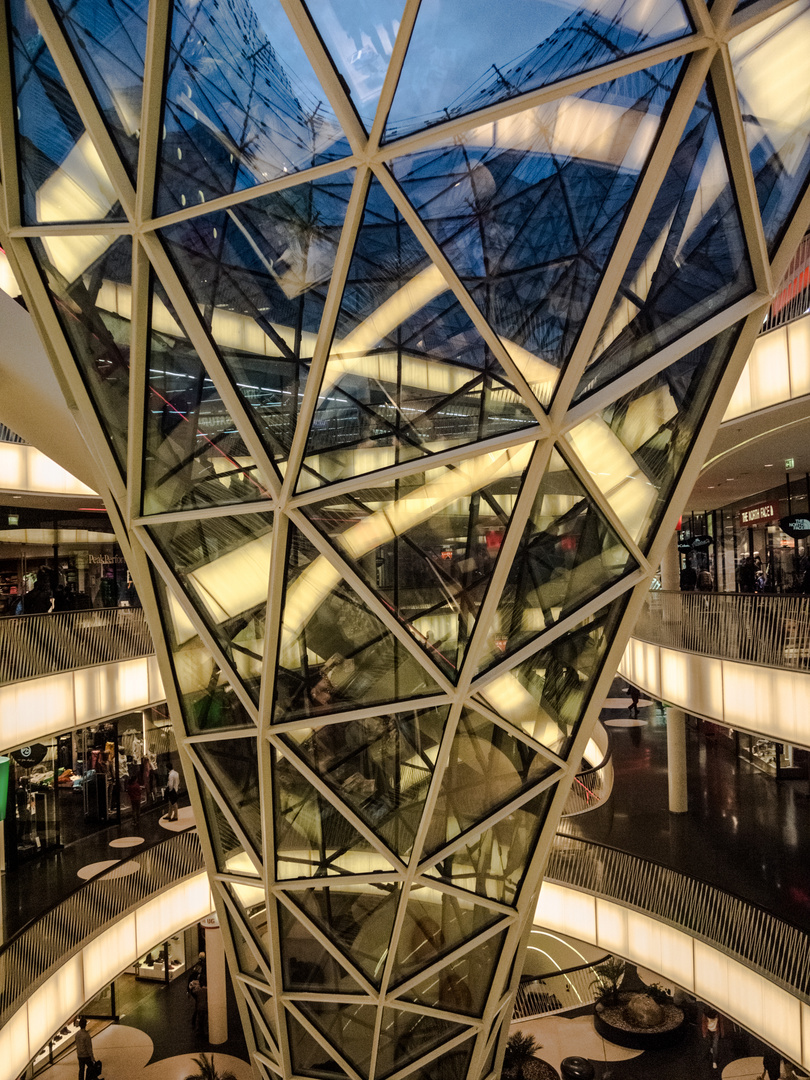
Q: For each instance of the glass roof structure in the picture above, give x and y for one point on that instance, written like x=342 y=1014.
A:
x=398 y=331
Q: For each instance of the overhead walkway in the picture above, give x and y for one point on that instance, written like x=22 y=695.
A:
x=63 y=959
x=752 y=966
x=69 y=669
x=738 y=659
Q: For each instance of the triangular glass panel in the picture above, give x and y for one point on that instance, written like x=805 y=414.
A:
x=90 y=281
x=307 y=967
x=258 y=273
x=436 y=923
x=349 y=1028
x=567 y=556
x=479 y=54
x=463 y=985
x=262 y=1043
x=360 y=38
x=528 y=211
x=229 y=854
x=307 y=1055
x=194 y=455
x=251 y=903
x=223 y=565
x=381 y=767
x=357 y=917
x=545 y=695
x=407 y=1036
x=406 y=364
x=335 y=653
x=264 y=1003
x=453 y=1065
x=243 y=105
x=245 y=958
x=110 y=44
x=233 y=766
x=312 y=838
x=634 y=447
x=62 y=176
x=428 y=543
x=690 y=262
x=494 y=863
x=772 y=70
x=486 y=769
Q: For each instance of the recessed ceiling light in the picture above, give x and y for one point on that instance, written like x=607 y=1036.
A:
x=730 y=479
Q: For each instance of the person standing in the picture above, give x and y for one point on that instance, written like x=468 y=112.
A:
x=84 y=1050
x=172 y=792
x=712 y=1029
x=771 y=1064
x=135 y=792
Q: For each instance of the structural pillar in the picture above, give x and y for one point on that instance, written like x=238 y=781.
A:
x=215 y=975
x=671 y=567
x=676 y=761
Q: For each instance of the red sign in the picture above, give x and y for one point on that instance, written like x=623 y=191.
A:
x=762 y=514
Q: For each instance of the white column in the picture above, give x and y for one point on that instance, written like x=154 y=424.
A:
x=671 y=567
x=215 y=975
x=676 y=760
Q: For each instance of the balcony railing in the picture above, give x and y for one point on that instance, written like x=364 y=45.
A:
x=771 y=631
x=34 y=645
x=592 y=787
x=762 y=941
x=45 y=943
x=568 y=989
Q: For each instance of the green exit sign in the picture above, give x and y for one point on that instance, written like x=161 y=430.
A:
x=789 y=463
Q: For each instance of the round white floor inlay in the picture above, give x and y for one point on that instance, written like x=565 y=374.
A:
x=121 y=869
x=127 y=841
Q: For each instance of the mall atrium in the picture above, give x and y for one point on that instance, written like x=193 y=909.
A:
x=396 y=334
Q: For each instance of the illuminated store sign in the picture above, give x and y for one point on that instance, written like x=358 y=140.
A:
x=762 y=514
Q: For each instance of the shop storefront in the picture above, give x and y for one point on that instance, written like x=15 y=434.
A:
x=66 y=788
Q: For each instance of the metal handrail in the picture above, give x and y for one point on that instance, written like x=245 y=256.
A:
x=793 y=294
x=592 y=787
x=35 y=645
x=46 y=942
x=737 y=927
x=770 y=631
x=539 y=995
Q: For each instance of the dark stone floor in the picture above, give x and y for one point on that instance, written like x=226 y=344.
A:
x=743 y=832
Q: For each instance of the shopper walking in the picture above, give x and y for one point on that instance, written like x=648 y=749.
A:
x=84 y=1050
x=711 y=1027
x=771 y=1064
x=135 y=792
x=172 y=792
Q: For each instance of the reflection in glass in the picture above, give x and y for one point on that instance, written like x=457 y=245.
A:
x=233 y=766
x=230 y=856
x=358 y=918
x=306 y=965
x=450 y=1066
x=223 y=564
x=312 y=838
x=568 y=554
x=428 y=543
x=479 y=53
x=408 y=373
x=690 y=262
x=771 y=64
x=350 y=1028
x=110 y=44
x=360 y=38
x=243 y=105
x=264 y=1002
x=463 y=985
x=545 y=695
x=494 y=863
x=435 y=924
x=90 y=281
x=634 y=447
x=251 y=905
x=194 y=455
x=307 y=1056
x=335 y=653
x=259 y=275
x=486 y=769
x=381 y=767
x=248 y=964
x=498 y=200
x=406 y=1036
x=62 y=176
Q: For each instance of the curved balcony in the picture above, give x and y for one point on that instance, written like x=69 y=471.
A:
x=73 y=668
x=592 y=786
x=745 y=961
x=62 y=959
x=738 y=659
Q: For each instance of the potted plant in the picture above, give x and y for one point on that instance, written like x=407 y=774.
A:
x=207 y=1070
x=609 y=975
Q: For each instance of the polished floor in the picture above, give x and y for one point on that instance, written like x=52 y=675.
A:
x=743 y=831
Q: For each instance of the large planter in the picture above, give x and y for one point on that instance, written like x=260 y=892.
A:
x=612 y=1023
